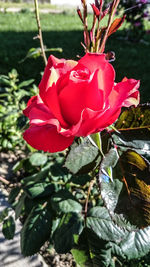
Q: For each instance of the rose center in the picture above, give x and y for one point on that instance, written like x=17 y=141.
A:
x=82 y=75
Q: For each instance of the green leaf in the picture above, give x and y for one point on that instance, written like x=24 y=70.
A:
x=134 y=118
x=134 y=127
x=64 y=201
x=96 y=138
x=110 y=192
x=29 y=203
x=41 y=189
x=36 y=230
x=8 y=229
x=129 y=193
x=37 y=177
x=13 y=74
x=100 y=222
x=55 y=224
x=110 y=159
x=4 y=95
x=80 y=257
x=19 y=206
x=58 y=172
x=136 y=171
x=80 y=179
x=32 y=53
x=22 y=93
x=108 y=162
x=105 y=240
x=13 y=194
x=71 y=224
x=18 y=165
x=139 y=140
x=4 y=214
x=36 y=52
x=25 y=83
x=126 y=243
x=82 y=157
x=92 y=251
x=4 y=81
x=38 y=159
x=136 y=244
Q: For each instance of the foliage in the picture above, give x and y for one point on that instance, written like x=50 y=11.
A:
x=136 y=13
x=13 y=97
x=104 y=229
x=8 y=228
x=36 y=52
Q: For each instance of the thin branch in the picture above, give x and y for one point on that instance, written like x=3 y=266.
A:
x=40 y=31
x=4 y=181
x=87 y=199
x=110 y=20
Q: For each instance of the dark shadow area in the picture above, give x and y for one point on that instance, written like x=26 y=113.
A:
x=3 y=201
x=10 y=253
x=15 y=46
x=132 y=59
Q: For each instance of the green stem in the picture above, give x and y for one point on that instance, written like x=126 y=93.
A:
x=40 y=31
x=97 y=37
x=71 y=184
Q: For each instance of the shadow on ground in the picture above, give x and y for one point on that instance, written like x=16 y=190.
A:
x=10 y=254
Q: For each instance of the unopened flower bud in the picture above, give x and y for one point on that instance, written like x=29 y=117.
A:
x=96 y=10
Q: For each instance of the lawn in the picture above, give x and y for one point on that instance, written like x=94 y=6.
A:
x=65 y=31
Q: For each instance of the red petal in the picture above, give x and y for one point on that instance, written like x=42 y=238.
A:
x=40 y=114
x=94 y=61
x=124 y=91
x=44 y=84
x=78 y=95
x=72 y=101
x=59 y=66
x=34 y=100
x=133 y=99
x=53 y=71
x=96 y=121
x=52 y=102
x=47 y=138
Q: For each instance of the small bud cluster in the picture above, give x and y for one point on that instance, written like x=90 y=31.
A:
x=95 y=38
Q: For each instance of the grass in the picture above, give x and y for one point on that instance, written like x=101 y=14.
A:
x=65 y=30
x=25 y=5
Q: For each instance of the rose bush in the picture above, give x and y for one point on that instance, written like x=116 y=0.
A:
x=76 y=98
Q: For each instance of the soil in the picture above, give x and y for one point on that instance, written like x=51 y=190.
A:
x=7 y=161
x=53 y=259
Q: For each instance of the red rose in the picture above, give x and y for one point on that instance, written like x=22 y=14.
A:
x=76 y=99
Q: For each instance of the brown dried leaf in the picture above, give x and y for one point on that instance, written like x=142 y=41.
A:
x=116 y=25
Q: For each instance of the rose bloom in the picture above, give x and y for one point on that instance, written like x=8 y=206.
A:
x=76 y=98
